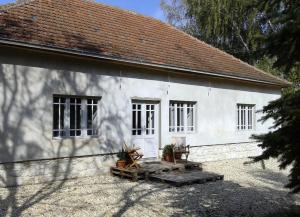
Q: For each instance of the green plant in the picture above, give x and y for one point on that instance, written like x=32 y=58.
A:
x=168 y=150
x=123 y=155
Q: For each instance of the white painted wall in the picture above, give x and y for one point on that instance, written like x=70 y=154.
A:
x=29 y=80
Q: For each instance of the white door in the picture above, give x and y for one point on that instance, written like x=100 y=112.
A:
x=145 y=127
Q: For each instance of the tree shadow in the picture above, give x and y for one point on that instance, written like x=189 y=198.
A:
x=226 y=198
x=27 y=148
x=222 y=198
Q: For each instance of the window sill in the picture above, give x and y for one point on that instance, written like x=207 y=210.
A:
x=183 y=133
x=76 y=137
x=245 y=131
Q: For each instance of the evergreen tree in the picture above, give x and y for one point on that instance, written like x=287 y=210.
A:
x=282 y=44
x=284 y=142
x=283 y=38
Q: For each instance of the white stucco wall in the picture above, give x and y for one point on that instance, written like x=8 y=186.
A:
x=29 y=80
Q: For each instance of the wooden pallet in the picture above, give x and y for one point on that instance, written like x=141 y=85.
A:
x=191 y=165
x=186 y=177
x=132 y=174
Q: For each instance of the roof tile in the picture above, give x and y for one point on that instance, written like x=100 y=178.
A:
x=107 y=31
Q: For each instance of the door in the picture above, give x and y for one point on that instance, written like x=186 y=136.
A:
x=145 y=127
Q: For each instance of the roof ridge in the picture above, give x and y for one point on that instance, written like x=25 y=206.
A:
x=223 y=52
x=13 y=5
x=123 y=10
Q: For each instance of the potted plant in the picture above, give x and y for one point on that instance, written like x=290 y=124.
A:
x=168 y=153
x=122 y=159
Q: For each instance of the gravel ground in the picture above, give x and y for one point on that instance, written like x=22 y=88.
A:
x=247 y=190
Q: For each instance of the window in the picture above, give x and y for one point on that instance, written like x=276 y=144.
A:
x=75 y=116
x=245 y=117
x=59 y=105
x=181 y=116
x=136 y=119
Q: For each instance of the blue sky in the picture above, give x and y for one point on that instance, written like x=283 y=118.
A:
x=146 y=7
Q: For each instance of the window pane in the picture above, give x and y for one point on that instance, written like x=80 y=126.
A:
x=75 y=117
x=55 y=116
x=139 y=120
x=133 y=119
x=78 y=117
x=171 y=118
x=190 y=117
x=62 y=116
x=148 y=119
x=56 y=99
x=250 y=118
x=55 y=133
x=180 y=117
x=72 y=132
x=72 y=117
x=238 y=117
x=89 y=117
x=92 y=108
x=58 y=116
x=152 y=122
x=136 y=119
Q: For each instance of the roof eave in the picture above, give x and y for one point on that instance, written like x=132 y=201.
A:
x=134 y=62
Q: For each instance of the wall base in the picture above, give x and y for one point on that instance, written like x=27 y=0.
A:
x=34 y=172
x=224 y=151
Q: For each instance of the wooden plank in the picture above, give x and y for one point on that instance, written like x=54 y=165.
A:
x=185 y=178
x=132 y=174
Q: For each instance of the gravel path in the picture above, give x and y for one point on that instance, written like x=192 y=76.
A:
x=247 y=190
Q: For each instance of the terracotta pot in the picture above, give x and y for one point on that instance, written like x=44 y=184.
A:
x=178 y=156
x=169 y=158
x=121 y=164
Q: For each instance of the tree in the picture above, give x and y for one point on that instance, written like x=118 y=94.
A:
x=283 y=39
x=232 y=26
x=284 y=142
x=282 y=44
x=293 y=75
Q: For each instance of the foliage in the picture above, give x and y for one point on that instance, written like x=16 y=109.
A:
x=123 y=155
x=283 y=38
x=232 y=26
x=293 y=75
x=249 y=30
x=168 y=150
x=282 y=46
x=284 y=141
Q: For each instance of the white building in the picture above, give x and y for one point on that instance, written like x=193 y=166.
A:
x=79 y=78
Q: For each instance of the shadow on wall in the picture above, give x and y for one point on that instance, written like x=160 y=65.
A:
x=21 y=105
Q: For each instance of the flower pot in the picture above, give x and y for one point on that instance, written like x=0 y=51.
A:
x=169 y=158
x=121 y=164
x=178 y=156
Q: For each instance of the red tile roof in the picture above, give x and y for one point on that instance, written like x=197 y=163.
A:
x=106 y=31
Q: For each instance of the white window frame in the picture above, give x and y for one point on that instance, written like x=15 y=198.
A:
x=84 y=117
x=244 y=123
x=182 y=107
